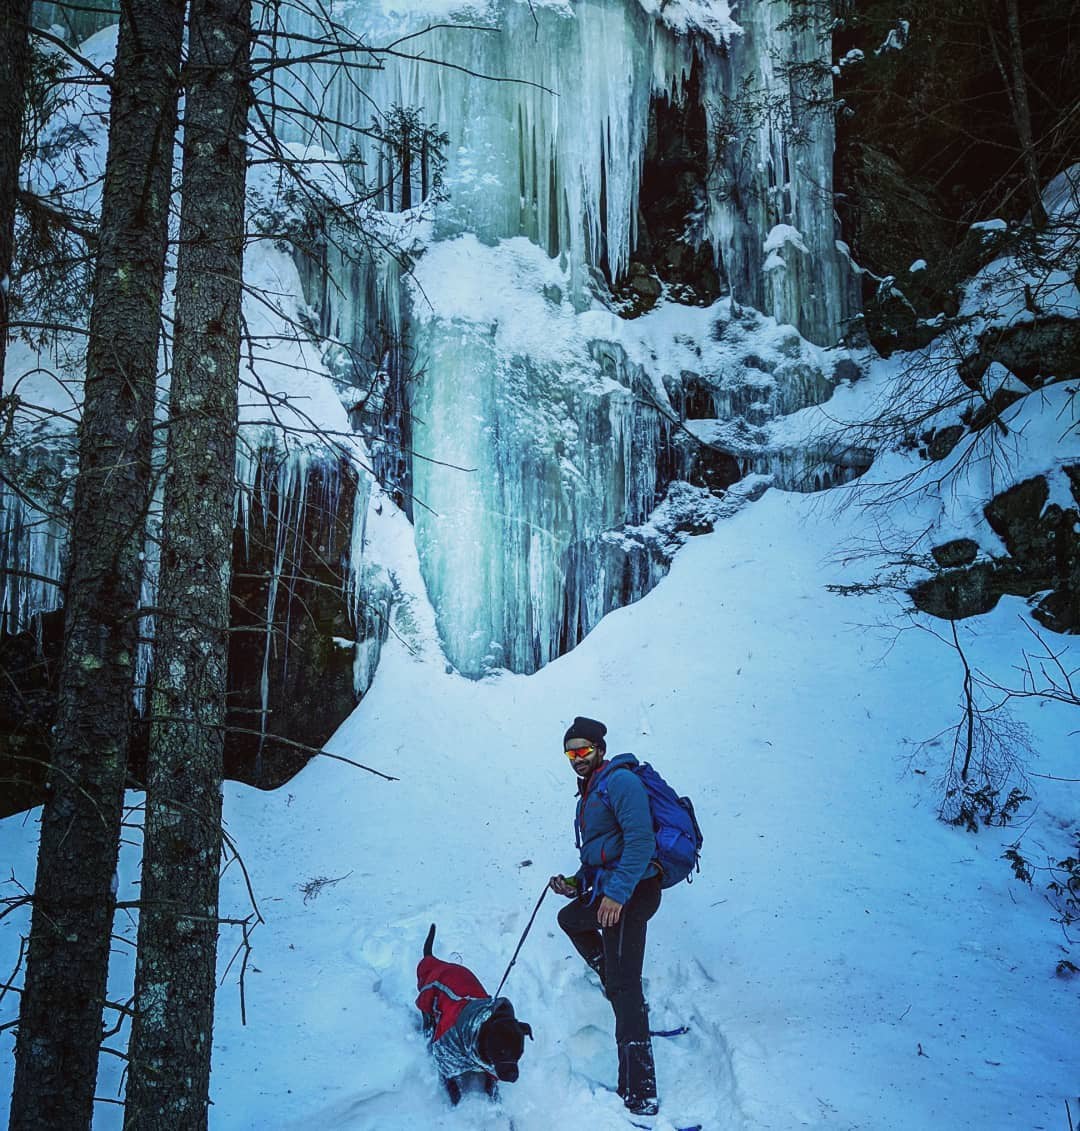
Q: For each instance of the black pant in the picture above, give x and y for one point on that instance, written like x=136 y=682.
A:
x=617 y=954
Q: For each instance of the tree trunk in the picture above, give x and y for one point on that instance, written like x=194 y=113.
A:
x=169 y=1072
x=60 y=1021
x=406 y=166
x=1022 y=115
x=14 y=65
x=1015 y=80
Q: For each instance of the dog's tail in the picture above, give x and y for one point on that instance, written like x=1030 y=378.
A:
x=429 y=941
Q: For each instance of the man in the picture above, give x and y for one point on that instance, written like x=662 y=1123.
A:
x=615 y=893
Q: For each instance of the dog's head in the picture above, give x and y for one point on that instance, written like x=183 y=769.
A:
x=501 y=1041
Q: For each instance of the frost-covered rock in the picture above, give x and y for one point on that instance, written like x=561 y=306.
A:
x=1042 y=540
x=309 y=612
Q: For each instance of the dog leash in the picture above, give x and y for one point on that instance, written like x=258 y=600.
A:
x=528 y=926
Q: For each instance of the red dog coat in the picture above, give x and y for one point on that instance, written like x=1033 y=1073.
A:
x=445 y=989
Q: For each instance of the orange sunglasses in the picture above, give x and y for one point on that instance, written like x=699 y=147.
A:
x=580 y=752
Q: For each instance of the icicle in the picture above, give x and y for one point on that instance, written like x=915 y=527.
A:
x=287 y=481
x=524 y=156
x=33 y=552
x=776 y=169
x=354 y=569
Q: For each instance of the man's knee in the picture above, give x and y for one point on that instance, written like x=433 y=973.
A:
x=568 y=918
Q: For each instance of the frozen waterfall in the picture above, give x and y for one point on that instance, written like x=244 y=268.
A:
x=542 y=428
x=554 y=413
x=547 y=110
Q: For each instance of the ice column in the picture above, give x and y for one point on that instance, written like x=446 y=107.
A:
x=771 y=211
x=510 y=539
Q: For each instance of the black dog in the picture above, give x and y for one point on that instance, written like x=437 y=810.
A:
x=475 y=1039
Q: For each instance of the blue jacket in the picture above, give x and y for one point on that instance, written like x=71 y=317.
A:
x=614 y=831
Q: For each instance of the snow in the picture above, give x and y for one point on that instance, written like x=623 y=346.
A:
x=783 y=235
x=1004 y=293
x=897 y=38
x=780 y=237
x=710 y=17
x=843 y=959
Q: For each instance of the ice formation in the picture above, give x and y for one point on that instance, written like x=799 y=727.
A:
x=33 y=550
x=549 y=450
x=551 y=453
x=540 y=429
x=547 y=112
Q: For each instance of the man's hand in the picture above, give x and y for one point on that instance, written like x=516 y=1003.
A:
x=608 y=912
x=560 y=885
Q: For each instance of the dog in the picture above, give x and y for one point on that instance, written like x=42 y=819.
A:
x=474 y=1039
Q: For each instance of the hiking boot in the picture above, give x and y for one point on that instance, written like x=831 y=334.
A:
x=637 y=1077
x=642 y=1105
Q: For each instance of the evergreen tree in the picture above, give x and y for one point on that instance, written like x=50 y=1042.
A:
x=14 y=63
x=169 y=1073
x=60 y=1021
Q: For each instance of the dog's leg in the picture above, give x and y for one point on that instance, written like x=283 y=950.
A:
x=491 y=1086
x=429 y=942
x=453 y=1090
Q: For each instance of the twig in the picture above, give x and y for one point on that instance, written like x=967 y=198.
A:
x=56 y=41
x=245 y=946
x=228 y=841
x=315 y=885
x=313 y=750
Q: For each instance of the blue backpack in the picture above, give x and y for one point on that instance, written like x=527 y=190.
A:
x=678 y=835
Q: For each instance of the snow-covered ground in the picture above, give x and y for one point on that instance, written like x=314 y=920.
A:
x=844 y=960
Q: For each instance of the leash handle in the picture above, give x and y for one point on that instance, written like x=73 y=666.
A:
x=521 y=941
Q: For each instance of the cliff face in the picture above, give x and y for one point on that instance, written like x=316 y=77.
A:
x=624 y=272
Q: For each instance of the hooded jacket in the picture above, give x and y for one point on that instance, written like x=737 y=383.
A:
x=614 y=830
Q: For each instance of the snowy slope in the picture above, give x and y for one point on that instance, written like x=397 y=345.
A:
x=844 y=960
x=836 y=929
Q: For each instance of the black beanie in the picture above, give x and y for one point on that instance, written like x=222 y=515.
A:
x=582 y=727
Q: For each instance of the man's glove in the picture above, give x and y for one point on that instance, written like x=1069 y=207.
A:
x=564 y=885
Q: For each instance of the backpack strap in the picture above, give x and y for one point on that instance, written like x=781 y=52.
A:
x=603 y=793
